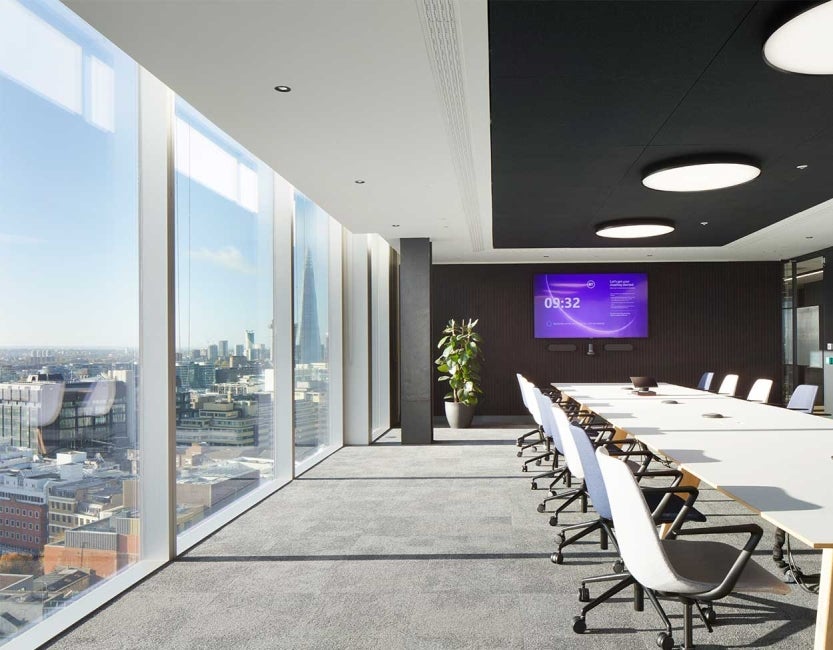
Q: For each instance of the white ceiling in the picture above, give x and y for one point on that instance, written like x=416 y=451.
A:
x=394 y=92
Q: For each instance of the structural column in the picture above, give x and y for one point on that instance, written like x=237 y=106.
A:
x=415 y=356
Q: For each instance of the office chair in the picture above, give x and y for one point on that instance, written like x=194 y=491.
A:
x=692 y=572
x=760 y=391
x=559 y=422
x=579 y=451
x=555 y=420
x=728 y=386
x=553 y=438
x=705 y=381
x=803 y=398
x=529 y=390
x=534 y=432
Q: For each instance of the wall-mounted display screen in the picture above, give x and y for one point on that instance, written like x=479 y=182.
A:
x=591 y=306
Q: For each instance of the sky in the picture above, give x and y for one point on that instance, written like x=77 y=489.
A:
x=69 y=203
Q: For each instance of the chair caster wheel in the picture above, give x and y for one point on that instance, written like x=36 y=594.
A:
x=618 y=566
x=583 y=595
x=553 y=493
x=524 y=468
x=534 y=485
x=557 y=558
x=579 y=626
x=665 y=641
x=538 y=462
x=520 y=453
x=559 y=539
x=541 y=507
x=554 y=520
x=709 y=615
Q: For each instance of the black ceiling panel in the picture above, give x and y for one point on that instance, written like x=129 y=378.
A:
x=586 y=95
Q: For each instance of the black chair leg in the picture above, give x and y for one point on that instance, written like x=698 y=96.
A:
x=615 y=589
x=659 y=609
x=688 y=625
x=521 y=439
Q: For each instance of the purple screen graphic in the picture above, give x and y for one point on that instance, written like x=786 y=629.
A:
x=591 y=306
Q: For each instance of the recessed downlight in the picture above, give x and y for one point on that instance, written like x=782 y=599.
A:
x=634 y=228
x=802 y=167
x=394 y=225
x=802 y=45
x=283 y=89
x=359 y=181
x=701 y=177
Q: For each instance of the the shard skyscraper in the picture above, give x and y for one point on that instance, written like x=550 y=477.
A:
x=309 y=341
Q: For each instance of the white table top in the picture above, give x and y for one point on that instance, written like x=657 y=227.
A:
x=779 y=463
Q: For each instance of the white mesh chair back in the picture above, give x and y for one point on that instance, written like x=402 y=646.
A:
x=728 y=386
x=586 y=455
x=706 y=381
x=760 y=391
x=562 y=423
x=548 y=423
x=803 y=398
x=636 y=534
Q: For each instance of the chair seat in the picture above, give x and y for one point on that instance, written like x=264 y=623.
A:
x=701 y=565
x=673 y=508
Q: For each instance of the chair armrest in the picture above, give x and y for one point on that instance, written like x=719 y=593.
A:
x=728 y=583
x=689 y=490
x=677 y=474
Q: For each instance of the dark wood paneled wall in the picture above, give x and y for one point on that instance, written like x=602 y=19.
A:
x=724 y=317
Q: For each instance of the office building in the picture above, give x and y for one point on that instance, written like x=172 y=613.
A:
x=233 y=235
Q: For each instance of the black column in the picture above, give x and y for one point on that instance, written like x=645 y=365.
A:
x=416 y=362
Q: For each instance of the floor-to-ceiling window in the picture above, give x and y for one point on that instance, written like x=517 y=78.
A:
x=311 y=317
x=224 y=318
x=86 y=370
x=69 y=332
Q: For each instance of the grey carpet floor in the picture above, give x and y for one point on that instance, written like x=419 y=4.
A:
x=414 y=547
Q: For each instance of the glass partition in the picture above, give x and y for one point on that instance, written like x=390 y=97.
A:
x=802 y=324
x=224 y=297
x=70 y=516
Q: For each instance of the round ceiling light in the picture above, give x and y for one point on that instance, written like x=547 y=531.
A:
x=802 y=45
x=634 y=228
x=699 y=177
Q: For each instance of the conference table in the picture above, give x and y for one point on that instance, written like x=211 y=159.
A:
x=778 y=463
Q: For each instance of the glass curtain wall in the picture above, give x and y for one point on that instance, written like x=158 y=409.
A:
x=311 y=319
x=69 y=468
x=74 y=431
x=224 y=318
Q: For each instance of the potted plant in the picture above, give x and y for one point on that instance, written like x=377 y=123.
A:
x=459 y=363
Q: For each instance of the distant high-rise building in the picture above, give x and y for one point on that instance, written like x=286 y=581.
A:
x=249 y=343
x=213 y=352
x=223 y=349
x=239 y=350
x=309 y=341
